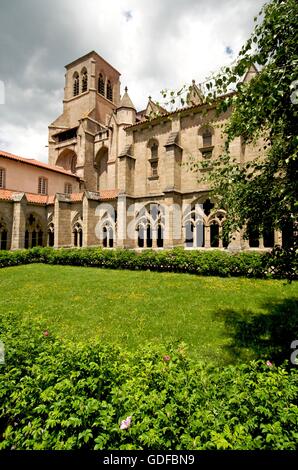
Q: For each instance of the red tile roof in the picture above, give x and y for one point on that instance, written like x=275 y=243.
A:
x=76 y=197
x=8 y=195
x=32 y=161
x=109 y=194
x=37 y=198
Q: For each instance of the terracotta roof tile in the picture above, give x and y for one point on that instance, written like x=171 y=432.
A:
x=75 y=197
x=9 y=195
x=109 y=194
x=6 y=194
x=36 y=198
x=32 y=161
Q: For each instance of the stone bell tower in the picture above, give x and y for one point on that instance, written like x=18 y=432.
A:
x=91 y=95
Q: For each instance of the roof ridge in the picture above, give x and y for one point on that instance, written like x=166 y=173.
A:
x=33 y=161
x=179 y=110
x=9 y=194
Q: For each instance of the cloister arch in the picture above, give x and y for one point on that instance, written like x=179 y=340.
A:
x=107 y=229
x=203 y=227
x=3 y=234
x=260 y=238
x=51 y=234
x=77 y=230
x=34 y=231
x=150 y=226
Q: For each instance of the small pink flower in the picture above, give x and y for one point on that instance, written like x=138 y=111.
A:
x=46 y=333
x=125 y=423
x=167 y=358
x=269 y=364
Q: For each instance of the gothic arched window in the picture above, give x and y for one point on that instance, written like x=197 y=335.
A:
x=84 y=80
x=40 y=238
x=253 y=236
x=149 y=236
x=51 y=235
x=101 y=85
x=109 y=91
x=76 y=84
x=34 y=232
x=141 y=236
x=214 y=234
x=207 y=138
x=26 y=239
x=207 y=149
x=153 y=159
x=78 y=235
x=160 y=236
x=101 y=164
x=3 y=236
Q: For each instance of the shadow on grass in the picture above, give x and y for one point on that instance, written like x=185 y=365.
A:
x=262 y=336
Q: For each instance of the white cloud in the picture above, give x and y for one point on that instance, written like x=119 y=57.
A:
x=27 y=141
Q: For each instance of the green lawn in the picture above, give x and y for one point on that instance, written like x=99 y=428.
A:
x=221 y=319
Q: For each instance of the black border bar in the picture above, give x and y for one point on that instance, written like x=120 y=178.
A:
x=149 y=459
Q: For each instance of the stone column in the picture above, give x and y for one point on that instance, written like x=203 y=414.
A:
x=121 y=221
x=85 y=207
x=145 y=237
x=207 y=236
x=277 y=237
x=195 y=236
x=62 y=222
x=19 y=222
x=126 y=163
x=184 y=234
x=173 y=231
x=154 y=238
x=220 y=242
x=93 y=210
x=244 y=241
x=237 y=243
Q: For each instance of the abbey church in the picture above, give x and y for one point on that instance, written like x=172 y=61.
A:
x=118 y=177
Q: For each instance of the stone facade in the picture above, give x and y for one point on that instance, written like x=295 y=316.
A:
x=117 y=177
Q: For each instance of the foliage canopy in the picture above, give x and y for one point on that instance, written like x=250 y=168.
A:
x=264 y=110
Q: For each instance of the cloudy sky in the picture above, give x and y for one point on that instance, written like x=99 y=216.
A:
x=155 y=44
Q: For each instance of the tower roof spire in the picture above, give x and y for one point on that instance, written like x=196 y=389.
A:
x=195 y=95
x=126 y=101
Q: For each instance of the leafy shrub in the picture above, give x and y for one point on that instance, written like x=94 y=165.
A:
x=207 y=263
x=64 y=396
x=283 y=263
